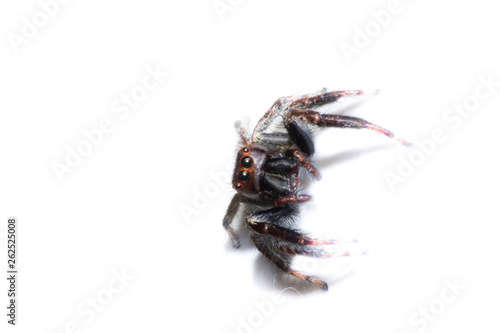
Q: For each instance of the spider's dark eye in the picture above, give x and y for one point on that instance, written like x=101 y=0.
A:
x=237 y=186
x=244 y=176
x=246 y=150
x=246 y=162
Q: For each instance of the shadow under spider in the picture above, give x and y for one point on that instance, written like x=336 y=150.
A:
x=348 y=155
x=273 y=279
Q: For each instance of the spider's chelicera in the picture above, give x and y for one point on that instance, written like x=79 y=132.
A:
x=266 y=176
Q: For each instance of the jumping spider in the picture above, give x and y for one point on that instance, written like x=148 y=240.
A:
x=266 y=176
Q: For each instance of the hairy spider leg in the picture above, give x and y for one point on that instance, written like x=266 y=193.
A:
x=302 y=159
x=278 y=243
x=294 y=242
x=335 y=120
x=305 y=101
x=282 y=261
x=269 y=117
x=229 y=217
x=280 y=201
x=245 y=139
x=263 y=227
x=309 y=251
x=326 y=97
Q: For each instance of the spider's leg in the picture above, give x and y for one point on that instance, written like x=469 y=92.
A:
x=302 y=159
x=258 y=224
x=229 y=217
x=286 y=103
x=326 y=97
x=335 y=120
x=268 y=118
x=291 y=199
x=291 y=241
x=312 y=251
x=245 y=139
x=282 y=261
x=276 y=109
x=274 y=139
x=267 y=246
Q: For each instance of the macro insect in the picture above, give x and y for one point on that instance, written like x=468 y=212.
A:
x=267 y=176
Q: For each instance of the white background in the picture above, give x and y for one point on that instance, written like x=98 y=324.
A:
x=120 y=208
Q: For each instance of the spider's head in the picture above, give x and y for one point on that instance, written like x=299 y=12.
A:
x=247 y=169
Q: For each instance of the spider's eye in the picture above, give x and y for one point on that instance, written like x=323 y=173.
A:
x=246 y=162
x=237 y=186
x=246 y=150
x=244 y=176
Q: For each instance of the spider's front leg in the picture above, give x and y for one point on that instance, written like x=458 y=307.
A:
x=334 y=120
x=229 y=217
x=306 y=101
x=325 y=97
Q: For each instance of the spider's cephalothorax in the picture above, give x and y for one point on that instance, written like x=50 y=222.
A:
x=266 y=175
